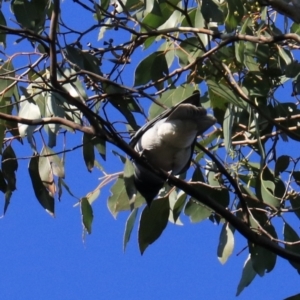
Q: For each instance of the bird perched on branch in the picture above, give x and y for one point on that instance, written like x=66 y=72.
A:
x=167 y=142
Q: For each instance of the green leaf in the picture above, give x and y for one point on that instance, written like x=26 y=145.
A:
x=257 y=84
x=87 y=214
x=63 y=183
x=156 y=66
x=9 y=166
x=88 y=152
x=212 y=12
x=100 y=145
x=129 y=227
x=30 y=15
x=57 y=165
x=170 y=98
x=188 y=51
x=160 y=13
x=46 y=173
x=196 y=19
x=226 y=243
x=7 y=70
x=118 y=200
x=234 y=15
x=53 y=107
x=2 y=34
x=221 y=94
x=262 y=259
x=153 y=221
x=125 y=105
x=292 y=69
x=227 y=129
x=93 y=195
x=248 y=275
x=41 y=193
x=282 y=163
x=129 y=180
x=83 y=60
x=291 y=236
x=178 y=206
x=267 y=193
x=91 y=63
x=196 y=211
x=3 y=184
x=295 y=28
x=215 y=191
x=269 y=188
x=8 y=195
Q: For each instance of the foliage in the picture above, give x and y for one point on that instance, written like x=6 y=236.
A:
x=241 y=54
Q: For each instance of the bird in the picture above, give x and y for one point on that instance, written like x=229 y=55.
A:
x=167 y=142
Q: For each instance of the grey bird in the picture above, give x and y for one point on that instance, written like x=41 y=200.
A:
x=167 y=142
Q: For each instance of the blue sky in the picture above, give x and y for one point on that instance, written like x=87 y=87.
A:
x=45 y=258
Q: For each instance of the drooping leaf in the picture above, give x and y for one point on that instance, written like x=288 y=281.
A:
x=173 y=198
x=30 y=14
x=196 y=211
x=227 y=129
x=129 y=181
x=282 y=163
x=87 y=214
x=118 y=200
x=53 y=107
x=188 y=51
x=100 y=145
x=248 y=275
x=179 y=205
x=41 y=193
x=156 y=66
x=235 y=13
x=129 y=227
x=160 y=13
x=226 y=243
x=262 y=259
x=2 y=34
x=56 y=162
x=3 y=184
x=7 y=70
x=88 y=152
x=212 y=12
x=8 y=195
x=46 y=172
x=221 y=94
x=9 y=166
x=125 y=106
x=153 y=221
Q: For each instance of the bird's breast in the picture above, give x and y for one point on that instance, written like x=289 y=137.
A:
x=179 y=134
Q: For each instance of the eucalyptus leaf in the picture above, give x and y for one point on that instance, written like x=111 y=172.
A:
x=248 y=275
x=153 y=221
x=41 y=193
x=87 y=214
x=226 y=243
x=129 y=227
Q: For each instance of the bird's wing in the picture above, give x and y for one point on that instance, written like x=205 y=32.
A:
x=194 y=99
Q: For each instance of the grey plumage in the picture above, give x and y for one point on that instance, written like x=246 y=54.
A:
x=167 y=142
